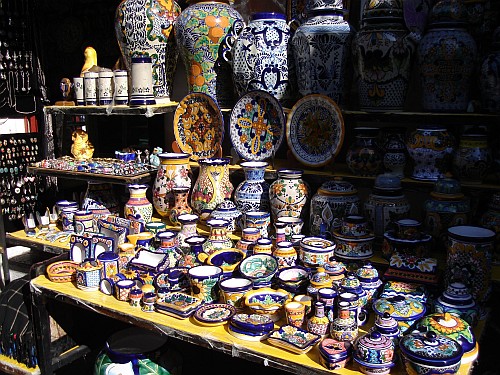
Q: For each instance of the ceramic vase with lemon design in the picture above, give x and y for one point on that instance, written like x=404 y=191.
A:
x=199 y=32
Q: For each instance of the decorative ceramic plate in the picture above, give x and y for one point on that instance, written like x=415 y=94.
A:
x=257 y=126
x=293 y=339
x=179 y=305
x=214 y=314
x=315 y=130
x=198 y=126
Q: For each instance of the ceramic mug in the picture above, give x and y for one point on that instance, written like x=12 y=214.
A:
x=205 y=282
x=233 y=291
x=83 y=221
x=148 y=302
x=105 y=88
x=67 y=219
x=327 y=296
x=123 y=288
x=263 y=246
x=258 y=219
x=90 y=86
x=295 y=313
x=408 y=229
x=305 y=300
x=121 y=87
x=293 y=225
x=79 y=90
x=358 y=313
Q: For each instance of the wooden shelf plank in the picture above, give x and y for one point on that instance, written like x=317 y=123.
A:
x=11 y=366
x=147 y=110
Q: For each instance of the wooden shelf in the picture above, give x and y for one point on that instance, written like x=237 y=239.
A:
x=147 y=110
x=11 y=366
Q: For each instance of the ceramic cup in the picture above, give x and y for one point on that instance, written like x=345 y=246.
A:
x=90 y=85
x=305 y=300
x=263 y=246
x=293 y=226
x=105 y=88
x=260 y=220
x=356 y=312
x=295 y=313
x=123 y=288
x=354 y=226
x=233 y=291
x=408 y=229
x=204 y=282
x=135 y=297
x=148 y=302
x=79 y=90
x=155 y=227
x=83 y=221
x=142 y=82
x=67 y=218
x=121 y=87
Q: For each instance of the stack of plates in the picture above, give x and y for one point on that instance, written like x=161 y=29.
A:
x=250 y=327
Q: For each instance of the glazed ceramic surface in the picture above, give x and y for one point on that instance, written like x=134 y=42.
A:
x=491 y=220
x=257 y=126
x=288 y=194
x=316 y=251
x=395 y=157
x=457 y=300
x=260 y=220
x=259 y=268
x=213 y=314
x=138 y=206
x=227 y=210
x=319 y=322
x=199 y=32
x=188 y=229
x=181 y=205
x=218 y=238
x=344 y=327
x=204 y=282
x=253 y=193
x=473 y=157
x=315 y=130
x=260 y=55
x=180 y=305
x=373 y=350
x=212 y=186
x=321 y=46
x=144 y=27
x=406 y=311
x=364 y=157
x=353 y=247
x=173 y=171
x=233 y=291
x=490 y=76
x=293 y=339
x=198 y=126
x=334 y=354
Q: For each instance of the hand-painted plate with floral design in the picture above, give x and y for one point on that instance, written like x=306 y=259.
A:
x=198 y=126
x=214 y=314
x=315 y=130
x=257 y=126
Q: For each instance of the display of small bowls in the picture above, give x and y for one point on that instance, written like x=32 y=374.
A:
x=227 y=259
x=406 y=311
x=430 y=353
x=260 y=268
x=334 y=354
x=214 y=314
x=316 y=251
x=267 y=301
x=293 y=279
x=374 y=353
x=63 y=271
x=293 y=339
x=178 y=305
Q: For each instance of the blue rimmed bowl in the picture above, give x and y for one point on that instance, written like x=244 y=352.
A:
x=260 y=268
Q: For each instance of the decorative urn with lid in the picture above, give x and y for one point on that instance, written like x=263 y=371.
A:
x=374 y=353
x=457 y=300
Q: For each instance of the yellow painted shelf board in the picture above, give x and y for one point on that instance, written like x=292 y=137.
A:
x=11 y=366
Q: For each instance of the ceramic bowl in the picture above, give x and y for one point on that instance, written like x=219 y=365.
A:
x=316 y=251
x=293 y=339
x=293 y=279
x=256 y=323
x=260 y=268
x=227 y=259
x=267 y=301
x=62 y=272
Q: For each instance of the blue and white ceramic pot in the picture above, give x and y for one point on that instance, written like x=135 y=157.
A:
x=321 y=46
x=260 y=55
x=383 y=50
x=253 y=193
x=374 y=353
x=199 y=31
x=457 y=300
x=227 y=210
x=446 y=59
x=144 y=27
x=490 y=76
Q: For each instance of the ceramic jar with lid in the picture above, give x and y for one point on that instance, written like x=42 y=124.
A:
x=288 y=194
x=333 y=200
x=370 y=282
x=315 y=251
x=457 y=300
x=446 y=207
x=446 y=59
x=319 y=279
x=337 y=271
x=431 y=150
x=406 y=239
x=334 y=354
x=351 y=284
x=386 y=203
x=387 y=326
x=364 y=157
x=406 y=311
x=473 y=157
x=374 y=353
x=227 y=210
x=430 y=353
x=354 y=241
x=491 y=220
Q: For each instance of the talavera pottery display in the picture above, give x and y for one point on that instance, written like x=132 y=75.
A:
x=315 y=130
x=250 y=327
x=473 y=157
x=268 y=302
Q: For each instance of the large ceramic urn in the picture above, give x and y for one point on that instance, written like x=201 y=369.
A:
x=199 y=32
x=490 y=76
x=143 y=28
x=383 y=51
x=321 y=46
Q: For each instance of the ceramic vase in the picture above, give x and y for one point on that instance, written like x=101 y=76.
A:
x=253 y=193
x=395 y=155
x=199 y=32
x=288 y=194
x=286 y=254
x=188 y=224
x=491 y=220
x=344 y=327
x=173 y=172
x=319 y=322
x=321 y=47
x=211 y=187
x=469 y=252
x=217 y=239
x=383 y=51
x=490 y=76
x=181 y=205
x=143 y=27
x=430 y=149
x=260 y=55
x=446 y=59
x=473 y=157
x=138 y=206
x=364 y=157
x=333 y=200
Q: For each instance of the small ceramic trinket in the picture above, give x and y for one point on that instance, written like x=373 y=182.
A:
x=293 y=339
x=319 y=322
x=334 y=354
x=178 y=305
x=250 y=327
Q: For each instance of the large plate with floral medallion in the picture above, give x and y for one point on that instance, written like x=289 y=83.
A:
x=198 y=126
x=257 y=126
x=315 y=130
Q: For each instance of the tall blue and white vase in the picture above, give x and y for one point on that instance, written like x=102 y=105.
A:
x=260 y=55
x=383 y=51
x=321 y=46
x=253 y=193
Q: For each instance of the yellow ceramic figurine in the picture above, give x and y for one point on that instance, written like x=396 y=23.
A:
x=81 y=148
x=90 y=60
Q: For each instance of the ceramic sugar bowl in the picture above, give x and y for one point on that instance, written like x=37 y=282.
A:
x=406 y=311
x=370 y=281
x=374 y=353
x=457 y=300
x=387 y=326
x=430 y=353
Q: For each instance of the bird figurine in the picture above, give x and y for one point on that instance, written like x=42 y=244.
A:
x=90 y=64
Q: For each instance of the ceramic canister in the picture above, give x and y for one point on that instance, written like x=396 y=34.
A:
x=469 y=250
x=121 y=87
x=83 y=221
x=233 y=291
x=88 y=275
x=141 y=92
x=334 y=354
x=285 y=253
x=457 y=300
x=90 y=85
x=293 y=225
x=110 y=267
x=205 y=282
x=473 y=157
x=79 y=90
x=316 y=251
x=491 y=220
x=374 y=353
x=123 y=288
x=364 y=157
x=105 y=88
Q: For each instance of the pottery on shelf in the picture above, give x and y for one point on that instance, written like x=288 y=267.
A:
x=395 y=154
x=288 y=194
x=253 y=193
x=353 y=241
x=188 y=224
x=419 y=244
x=364 y=157
x=344 y=327
x=316 y=251
x=473 y=157
x=333 y=200
x=490 y=76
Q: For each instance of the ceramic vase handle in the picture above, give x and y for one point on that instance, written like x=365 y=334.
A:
x=230 y=39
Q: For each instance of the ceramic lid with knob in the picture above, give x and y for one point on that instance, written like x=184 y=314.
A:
x=457 y=295
x=383 y=9
x=374 y=342
x=387 y=184
x=337 y=187
x=320 y=277
x=387 y=325
x=350 y=283
x=400 y=307
x=431 y=349
x=446 y=12
x=367 y=274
